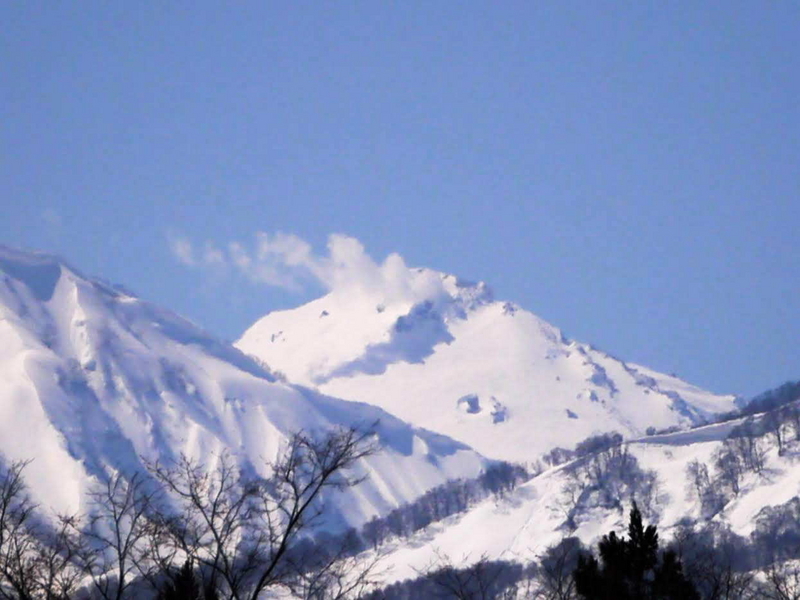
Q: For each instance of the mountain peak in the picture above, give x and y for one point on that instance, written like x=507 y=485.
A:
x=422 y=355
x=37 y=271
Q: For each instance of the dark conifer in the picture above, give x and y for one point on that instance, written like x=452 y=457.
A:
x=183 y=586
x=632 y=569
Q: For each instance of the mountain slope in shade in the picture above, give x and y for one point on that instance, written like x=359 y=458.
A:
x=93 y=380
x=454 y=360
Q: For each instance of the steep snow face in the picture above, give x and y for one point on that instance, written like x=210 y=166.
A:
x=485 y=372
x=94 y=380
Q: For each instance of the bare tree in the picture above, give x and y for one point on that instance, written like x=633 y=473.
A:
x=17 y=545
x=335 y=573
x=117 y=535
x=712 y=566
x=791 y=414
x=214 y=517
x=701 y=487
x=746 y=441
x=645 y=490
x=58 y=566
x=728 y=468
x=37 y=560
x=159 y=561
x=569 y=499
x=556 y=565
x=241 y=534
x=699 y=481
x=475 y=581
x=782 y=581
x=240 y=530
x=774 y=423
x=726 y=583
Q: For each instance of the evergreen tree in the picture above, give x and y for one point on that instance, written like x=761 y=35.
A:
x=641 y=549
x=184 y=585
x=631 y=569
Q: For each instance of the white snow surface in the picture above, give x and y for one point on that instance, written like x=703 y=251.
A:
x=521 y=525
x=94 y=380
x=485 y=372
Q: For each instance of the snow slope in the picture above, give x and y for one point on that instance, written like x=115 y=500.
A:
x=520 y=526
x=448 y=357
x=93 y=380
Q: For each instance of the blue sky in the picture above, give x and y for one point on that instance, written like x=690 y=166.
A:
x=628 y=171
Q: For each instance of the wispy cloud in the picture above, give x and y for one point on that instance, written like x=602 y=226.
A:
x=287 y=261
x=182 y=250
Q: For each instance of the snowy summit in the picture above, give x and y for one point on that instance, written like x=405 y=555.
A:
x=445 y=355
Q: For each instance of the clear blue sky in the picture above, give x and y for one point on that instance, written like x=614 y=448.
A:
x=628 y=171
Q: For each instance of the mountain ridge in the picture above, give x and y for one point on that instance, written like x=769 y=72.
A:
x=96 y=381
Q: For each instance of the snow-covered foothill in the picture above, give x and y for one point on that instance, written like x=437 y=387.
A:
x=519 y=526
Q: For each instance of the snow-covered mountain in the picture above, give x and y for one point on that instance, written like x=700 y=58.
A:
x=93 y=380
x=445 y=355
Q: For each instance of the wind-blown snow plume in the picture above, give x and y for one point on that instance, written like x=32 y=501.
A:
x=287 y=261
